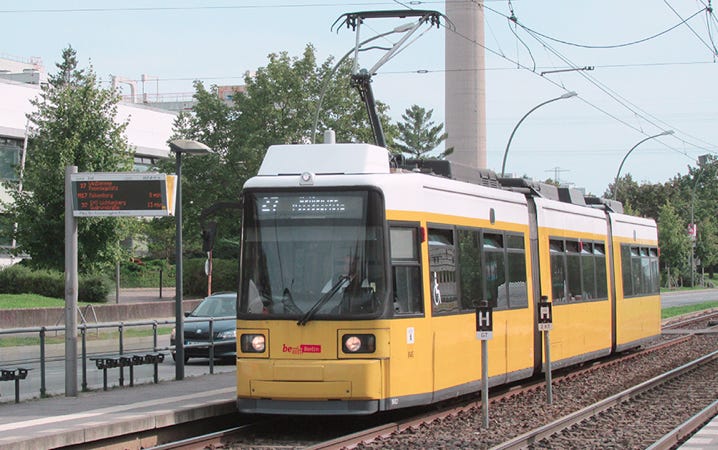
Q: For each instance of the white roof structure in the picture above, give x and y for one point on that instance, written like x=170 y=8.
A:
x=148 y=130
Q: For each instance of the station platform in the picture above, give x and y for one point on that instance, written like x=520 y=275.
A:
x=705 y=439
x=64 y=421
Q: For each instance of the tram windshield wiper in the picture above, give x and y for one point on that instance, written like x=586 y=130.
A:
x=325 y=298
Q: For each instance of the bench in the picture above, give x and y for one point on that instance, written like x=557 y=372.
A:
x=15 y=375
x=127 y=360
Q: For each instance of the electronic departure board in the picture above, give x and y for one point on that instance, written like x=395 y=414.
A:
x=122 y=194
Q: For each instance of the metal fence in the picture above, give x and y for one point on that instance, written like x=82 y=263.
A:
x=38 y=356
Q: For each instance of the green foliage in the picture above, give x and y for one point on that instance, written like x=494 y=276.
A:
x=94 y=288
x=73 y=124
x=277 y=105
x=418 y=135
x=225 y=276
x=18 y=279
x=675 y=245
x=679 y=310
x=135 y=273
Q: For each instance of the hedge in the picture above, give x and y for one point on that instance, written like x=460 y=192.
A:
x=19 y=279
x=225 y=276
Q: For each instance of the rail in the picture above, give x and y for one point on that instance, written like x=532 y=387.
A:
x=86 y=355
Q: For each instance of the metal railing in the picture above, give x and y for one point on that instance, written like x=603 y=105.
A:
x=106 y=344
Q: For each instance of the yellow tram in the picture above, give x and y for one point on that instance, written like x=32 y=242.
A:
x=359 y=280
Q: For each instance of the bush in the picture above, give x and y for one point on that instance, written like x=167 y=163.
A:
x=18 y=279
x=225 y=276
x=94 y=288
x=146 y=273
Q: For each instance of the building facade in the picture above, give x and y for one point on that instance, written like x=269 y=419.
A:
x=148 y=131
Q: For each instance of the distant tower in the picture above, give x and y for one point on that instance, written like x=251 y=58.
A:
x=465 y=85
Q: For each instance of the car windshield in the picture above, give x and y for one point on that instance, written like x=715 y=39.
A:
x=216 y=306
x=319 y=251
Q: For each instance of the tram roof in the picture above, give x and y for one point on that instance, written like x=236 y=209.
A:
x=365 y=159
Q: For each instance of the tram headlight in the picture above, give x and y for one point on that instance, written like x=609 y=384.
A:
x=359 y=343
x=253 y=343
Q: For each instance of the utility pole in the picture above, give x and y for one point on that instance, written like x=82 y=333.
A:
x=557 y=173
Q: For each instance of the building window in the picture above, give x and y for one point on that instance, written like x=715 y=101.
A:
x=10 y=150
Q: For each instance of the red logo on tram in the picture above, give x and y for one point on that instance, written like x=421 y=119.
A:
x=303 y=348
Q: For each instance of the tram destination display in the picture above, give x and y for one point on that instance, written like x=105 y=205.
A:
x=122 y=194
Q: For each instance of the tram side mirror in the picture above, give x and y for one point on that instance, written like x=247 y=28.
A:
x=209 y=233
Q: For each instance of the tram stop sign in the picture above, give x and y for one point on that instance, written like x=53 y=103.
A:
x=545 y=319
x=484 y=323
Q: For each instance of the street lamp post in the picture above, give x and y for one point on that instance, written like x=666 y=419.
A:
x=615 y=183
x=180 y=146
x=508 y=144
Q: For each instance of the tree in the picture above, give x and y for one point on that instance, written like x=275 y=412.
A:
x=277 y=105
x=707 y=243
x=73 y=123
x=418 y=135
x=674 y=242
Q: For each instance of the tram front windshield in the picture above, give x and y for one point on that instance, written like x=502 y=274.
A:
x=313 y=255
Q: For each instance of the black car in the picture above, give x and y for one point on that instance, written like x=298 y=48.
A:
x=222 y=309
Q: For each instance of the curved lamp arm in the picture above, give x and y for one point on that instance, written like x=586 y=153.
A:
x=508 y=144
x=615 y=182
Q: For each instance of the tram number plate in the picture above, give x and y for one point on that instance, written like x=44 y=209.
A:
x=545 y=326
x=484 y=335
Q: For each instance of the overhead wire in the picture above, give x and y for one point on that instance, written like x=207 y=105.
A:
x=627 y=104
x=613 y=46
x=634 y=109
x=685 y=22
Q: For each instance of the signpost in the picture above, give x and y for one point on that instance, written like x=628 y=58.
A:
x=484 y=332
x=123 y=194
x=545 y=324
x=93 y=194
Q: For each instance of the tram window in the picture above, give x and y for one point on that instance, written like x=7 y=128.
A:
x=558 y=271
x=442 y=269
x=495 y=275
x=515 y=241
x=578 y=270
x=636 y=274
x=573 y=271
x=407 y=294
x=517 y=289
x=493 y=241
x=555 y=246
x=626 y=271
x=406 y=272
x=403 y=243
x=470 y=279
x=639 y=270
x=588 y=269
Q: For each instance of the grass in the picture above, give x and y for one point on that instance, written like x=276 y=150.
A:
x=16 y=301
x=678 y=310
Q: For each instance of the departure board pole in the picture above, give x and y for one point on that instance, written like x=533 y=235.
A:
x=71 y=287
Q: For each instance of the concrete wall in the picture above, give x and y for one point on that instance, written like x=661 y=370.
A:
x=130 y=312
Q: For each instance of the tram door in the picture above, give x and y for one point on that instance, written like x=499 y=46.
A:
x=412 y=340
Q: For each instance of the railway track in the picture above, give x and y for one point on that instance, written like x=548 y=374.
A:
x=634 y=418
x=521 y=409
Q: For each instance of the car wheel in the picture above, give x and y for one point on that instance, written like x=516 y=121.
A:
x=174 y=358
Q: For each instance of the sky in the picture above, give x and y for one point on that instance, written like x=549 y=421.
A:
x=653 y=68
